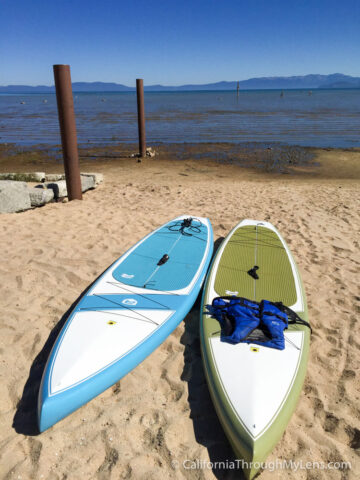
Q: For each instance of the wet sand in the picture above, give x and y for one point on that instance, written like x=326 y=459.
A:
x=161 y=414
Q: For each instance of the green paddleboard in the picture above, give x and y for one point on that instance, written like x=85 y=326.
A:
x=254 y=389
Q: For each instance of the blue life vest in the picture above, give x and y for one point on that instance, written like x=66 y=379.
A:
x=243 y=320
x=244 y=316
x=274 y=321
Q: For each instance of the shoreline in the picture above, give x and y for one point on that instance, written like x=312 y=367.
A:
x=252 y=159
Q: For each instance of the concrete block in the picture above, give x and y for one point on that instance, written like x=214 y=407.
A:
x=40 y=196
x=59 y=188
x=24 y=177
x=54 y=177
x=87 y=182
x=14 y=196
x=98 y=177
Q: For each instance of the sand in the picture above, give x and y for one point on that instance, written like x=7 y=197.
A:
x=161 y=414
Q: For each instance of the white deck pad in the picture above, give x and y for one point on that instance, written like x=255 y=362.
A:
x=92 y=343
x=257 y=379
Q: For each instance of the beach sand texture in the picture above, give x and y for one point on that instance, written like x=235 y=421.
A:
x=161 y=414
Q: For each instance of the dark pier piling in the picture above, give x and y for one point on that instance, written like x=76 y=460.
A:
x=67 y=123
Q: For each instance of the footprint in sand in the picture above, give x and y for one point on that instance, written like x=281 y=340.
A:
x=152 y=418
x=177 y=389
x=354 y=437
x=331 y=422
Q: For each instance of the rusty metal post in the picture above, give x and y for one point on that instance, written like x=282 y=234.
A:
x=65 y=104
x=141 y=116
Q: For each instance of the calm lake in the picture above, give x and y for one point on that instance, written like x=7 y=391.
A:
x=321 y=118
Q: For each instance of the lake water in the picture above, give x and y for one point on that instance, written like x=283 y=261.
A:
x=324 y=118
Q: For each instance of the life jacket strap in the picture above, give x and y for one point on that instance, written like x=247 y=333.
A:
x=293 y=317
x=244 y=302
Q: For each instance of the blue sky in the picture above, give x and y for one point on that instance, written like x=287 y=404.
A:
x=176 y=42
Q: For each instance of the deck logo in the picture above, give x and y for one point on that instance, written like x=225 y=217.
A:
x=126 y=275
x=129 y=301
x=229 y=292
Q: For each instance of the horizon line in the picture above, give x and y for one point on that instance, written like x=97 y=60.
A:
x=187 y=84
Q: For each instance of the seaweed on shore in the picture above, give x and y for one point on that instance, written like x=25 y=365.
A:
x=275 y=158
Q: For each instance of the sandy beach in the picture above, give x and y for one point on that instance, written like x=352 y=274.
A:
x=161 y=415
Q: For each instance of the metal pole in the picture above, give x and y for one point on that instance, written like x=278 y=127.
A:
x=67 y=123
x=141 y=115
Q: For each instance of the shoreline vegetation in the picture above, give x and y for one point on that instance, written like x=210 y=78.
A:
x=160 y=415
x=250 y=160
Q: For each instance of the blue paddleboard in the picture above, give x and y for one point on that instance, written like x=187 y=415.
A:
x=128 y=312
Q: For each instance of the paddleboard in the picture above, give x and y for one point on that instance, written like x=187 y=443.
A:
x=126 y=314
x=254 y=389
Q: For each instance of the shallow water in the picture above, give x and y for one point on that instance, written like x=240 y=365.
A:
x=324 y=118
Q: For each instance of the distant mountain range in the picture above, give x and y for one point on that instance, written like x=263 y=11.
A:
x=335 y=80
